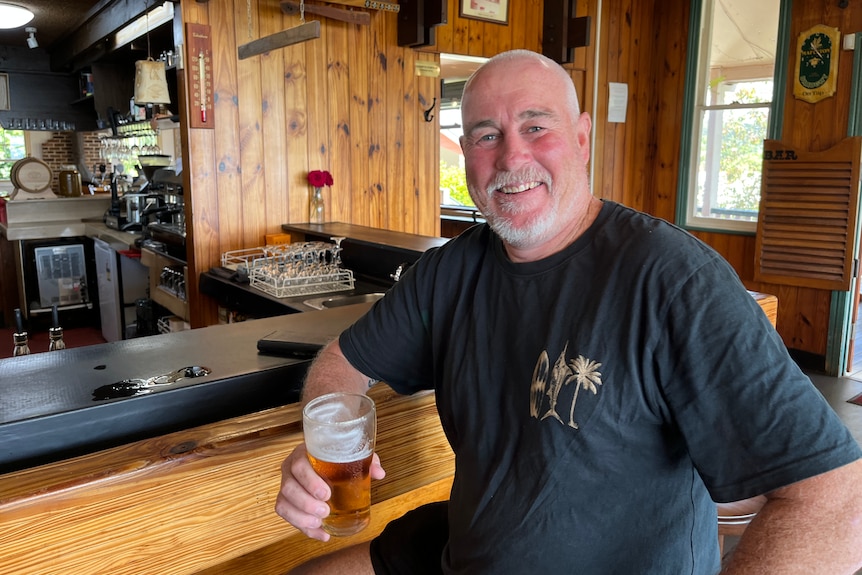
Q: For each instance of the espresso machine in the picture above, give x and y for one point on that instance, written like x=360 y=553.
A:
x=164 y=221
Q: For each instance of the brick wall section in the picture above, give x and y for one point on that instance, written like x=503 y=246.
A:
x=89 y=142
x=60 y=150
x=57 y=152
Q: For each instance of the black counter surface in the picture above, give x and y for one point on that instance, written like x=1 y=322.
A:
x=48 y=413
x=372 y=254
x=222 y=284
x=374 y=237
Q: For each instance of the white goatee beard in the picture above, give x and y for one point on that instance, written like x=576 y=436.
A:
x=534 y=231
x=522 y=236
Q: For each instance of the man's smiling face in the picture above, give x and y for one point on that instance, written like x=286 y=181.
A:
x=525 y=148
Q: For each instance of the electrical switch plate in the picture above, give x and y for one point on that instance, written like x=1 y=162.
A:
x=850 y=41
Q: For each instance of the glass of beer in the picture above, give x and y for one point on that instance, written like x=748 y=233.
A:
x=340 y=430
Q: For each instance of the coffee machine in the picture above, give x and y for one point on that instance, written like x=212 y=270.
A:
x=165 y=221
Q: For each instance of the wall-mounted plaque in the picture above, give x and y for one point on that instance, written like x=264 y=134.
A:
x=816 y=63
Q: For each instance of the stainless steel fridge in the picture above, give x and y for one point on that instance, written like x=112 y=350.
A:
x=122 y=281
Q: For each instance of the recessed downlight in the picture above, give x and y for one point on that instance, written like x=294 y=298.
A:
x=12 y=16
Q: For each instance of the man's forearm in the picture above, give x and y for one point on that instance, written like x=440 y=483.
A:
x=331 y=372
x=812 y=527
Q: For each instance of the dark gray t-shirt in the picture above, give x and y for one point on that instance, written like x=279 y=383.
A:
x=599 y=399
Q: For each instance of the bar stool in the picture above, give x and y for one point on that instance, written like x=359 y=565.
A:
x=734 y=517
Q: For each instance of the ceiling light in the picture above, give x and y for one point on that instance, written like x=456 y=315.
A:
x=12 y=16
x=31 y=39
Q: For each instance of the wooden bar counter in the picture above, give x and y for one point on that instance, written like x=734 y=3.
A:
x=202 y=500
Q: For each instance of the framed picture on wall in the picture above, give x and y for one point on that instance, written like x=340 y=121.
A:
x=496 y=11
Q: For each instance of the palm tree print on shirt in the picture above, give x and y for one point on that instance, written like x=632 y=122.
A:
x=584 y=372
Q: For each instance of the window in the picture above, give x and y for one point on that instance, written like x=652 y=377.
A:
x=453 y=179
x=729 y=99
x=12 y=148
x=454 y=71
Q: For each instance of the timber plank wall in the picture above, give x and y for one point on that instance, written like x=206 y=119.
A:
x=348 y=102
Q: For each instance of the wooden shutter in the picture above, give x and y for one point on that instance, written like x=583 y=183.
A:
x=808 y=210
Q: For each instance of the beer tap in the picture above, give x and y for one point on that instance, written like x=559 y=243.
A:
x=55 y=333
x=20 y=337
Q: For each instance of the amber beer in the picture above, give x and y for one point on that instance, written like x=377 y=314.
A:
x=339 y=431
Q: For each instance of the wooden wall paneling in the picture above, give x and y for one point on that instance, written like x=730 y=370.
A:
x=274 y=130
x=787 y=310
x=645 y=81
x=412 y=115
x=320 y=127
x=394 y=132
x=610 y=162
x=201 y=194
x=518 y=23
x=202 y=211
x=460 y=32
x=284 y=113
x=504 y=36
x=598 y=110
x=378 y=150
x=634 y=69
x=811 y=321
x=533 y=24
x=424 y=161
x=490 y=37
x=428 y=153
x=581 y=69
x=338 y=77
x=736 y=250
x=295 y=164
x=252 y=213
x=443 y=33
x=227 y=136
x=671 y=19
x=821 y=125
x=359 y=61
x=475 y=35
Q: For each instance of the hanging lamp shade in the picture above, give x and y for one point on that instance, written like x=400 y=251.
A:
x=151 y=85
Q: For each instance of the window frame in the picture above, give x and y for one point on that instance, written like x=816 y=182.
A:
x=691 y=119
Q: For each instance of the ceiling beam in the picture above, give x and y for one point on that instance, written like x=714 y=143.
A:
x=90 y=40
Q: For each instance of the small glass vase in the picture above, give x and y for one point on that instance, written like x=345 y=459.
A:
x=316 y=207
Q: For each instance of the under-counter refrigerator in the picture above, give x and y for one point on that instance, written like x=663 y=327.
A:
x=122 y=281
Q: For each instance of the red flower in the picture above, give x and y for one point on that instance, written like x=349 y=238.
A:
x=319 y=178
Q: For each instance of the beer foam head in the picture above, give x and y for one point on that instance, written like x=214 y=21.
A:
x=339 y=427
x=338 y=445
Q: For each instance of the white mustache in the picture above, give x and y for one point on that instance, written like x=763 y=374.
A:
x=520 y=181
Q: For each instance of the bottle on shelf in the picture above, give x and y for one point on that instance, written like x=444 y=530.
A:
x=20 y=339
x=55 y=332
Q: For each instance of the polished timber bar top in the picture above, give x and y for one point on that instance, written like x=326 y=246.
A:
x=48 y=411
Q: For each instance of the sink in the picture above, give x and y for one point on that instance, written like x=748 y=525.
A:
x=329 y=301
